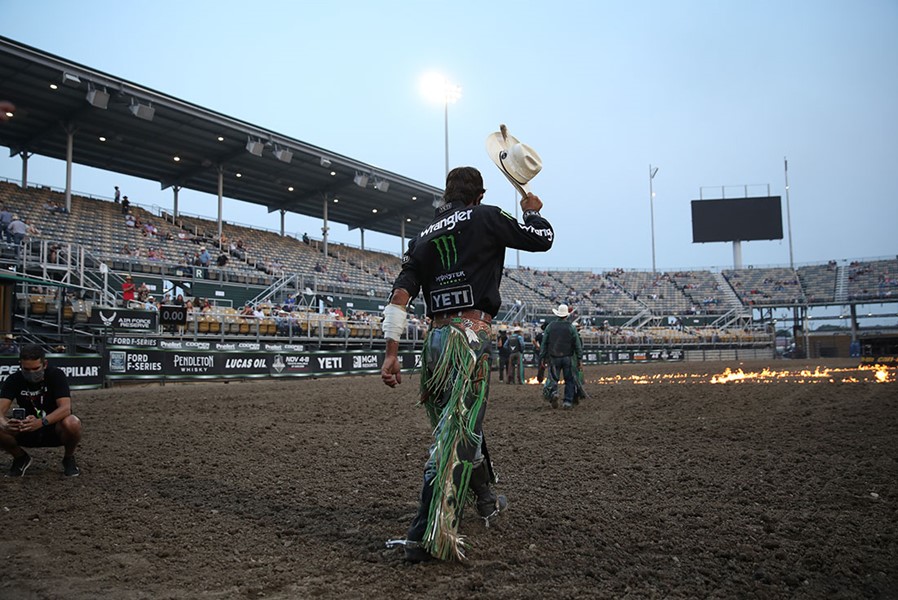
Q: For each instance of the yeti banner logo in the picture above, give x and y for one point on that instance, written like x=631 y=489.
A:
x=446 y=247
x=451 y=298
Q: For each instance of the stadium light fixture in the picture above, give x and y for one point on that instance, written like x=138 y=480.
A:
x=438 y=88
x=382 y=185
x=325 y=162
x=97 y=97
x=142 y=111
x=283 y=155
x=71 y=80
x=360 y=180
x=254 y=147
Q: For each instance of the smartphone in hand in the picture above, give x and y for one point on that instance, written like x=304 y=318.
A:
x=18 y=413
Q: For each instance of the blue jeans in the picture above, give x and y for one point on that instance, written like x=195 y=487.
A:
x=562 y=364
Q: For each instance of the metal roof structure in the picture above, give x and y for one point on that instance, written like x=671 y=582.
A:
x=123 y=127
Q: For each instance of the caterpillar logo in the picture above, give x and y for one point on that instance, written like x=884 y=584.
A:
x=445 y=245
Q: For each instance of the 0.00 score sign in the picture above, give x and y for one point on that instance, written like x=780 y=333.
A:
x=172 y=314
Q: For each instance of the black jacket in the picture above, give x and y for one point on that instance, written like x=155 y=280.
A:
x=561 y=339
x=457 y=260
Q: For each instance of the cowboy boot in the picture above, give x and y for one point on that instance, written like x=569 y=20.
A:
x=414 y=548
x=489 y=505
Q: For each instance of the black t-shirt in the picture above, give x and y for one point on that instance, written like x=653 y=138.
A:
x=38 y=399
x=457 y=260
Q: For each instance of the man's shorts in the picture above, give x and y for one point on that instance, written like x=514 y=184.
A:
x=45 y=437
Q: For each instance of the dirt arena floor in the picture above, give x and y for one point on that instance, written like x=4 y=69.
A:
x=672 y=489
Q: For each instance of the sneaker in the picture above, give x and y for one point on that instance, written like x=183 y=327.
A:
x=567 y=405
x=20 y=464
x=70 y=467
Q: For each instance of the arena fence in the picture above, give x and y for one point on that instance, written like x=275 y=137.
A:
x=158 y=359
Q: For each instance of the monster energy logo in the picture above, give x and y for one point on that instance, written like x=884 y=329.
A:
x=446 y=247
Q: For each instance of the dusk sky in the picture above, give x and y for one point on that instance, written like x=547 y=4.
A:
x=714 y=93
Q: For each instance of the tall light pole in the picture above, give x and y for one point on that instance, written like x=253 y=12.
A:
x=652 y=173
x=438 y=89
x=788 y=212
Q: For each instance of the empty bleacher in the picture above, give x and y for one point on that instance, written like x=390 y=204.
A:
x=873 y=280
x=768 y=286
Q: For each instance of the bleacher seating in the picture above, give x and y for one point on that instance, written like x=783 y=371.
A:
x=99 y=226
x=768 y=286
x=818 y=282
x=873 y=280
x=703 y=291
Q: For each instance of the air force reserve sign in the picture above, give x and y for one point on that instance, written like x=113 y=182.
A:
x=117 y=318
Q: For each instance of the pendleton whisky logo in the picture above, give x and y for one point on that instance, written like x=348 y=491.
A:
x=445 y=245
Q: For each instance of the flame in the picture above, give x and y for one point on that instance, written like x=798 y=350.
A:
x=532 y=381
x=819 y=375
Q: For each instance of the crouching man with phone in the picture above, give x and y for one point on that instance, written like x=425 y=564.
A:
x=43 y=413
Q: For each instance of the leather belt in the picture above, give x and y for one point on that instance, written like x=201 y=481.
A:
x=445 y=318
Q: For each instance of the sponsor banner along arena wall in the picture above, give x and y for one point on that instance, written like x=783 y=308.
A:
x=137 y=358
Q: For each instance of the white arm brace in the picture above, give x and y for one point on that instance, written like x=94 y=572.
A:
x=394 y=321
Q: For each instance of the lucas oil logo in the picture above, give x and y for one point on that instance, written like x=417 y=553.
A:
x=445 y=245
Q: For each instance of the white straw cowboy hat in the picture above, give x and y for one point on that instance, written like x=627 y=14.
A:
x=518 y=162
x=562 y=311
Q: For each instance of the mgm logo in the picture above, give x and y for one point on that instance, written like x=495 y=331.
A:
x=445 y=245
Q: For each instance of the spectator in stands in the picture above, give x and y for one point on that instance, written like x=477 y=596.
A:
x=143 y=292
x=128 y=289
x=9 y=347
x=130 y=220
x=204 y=257
x=126 y=250
x=257 y=312
x=126 y=205
x=150 y=304
x=179 y=300
x=247 y=310
x=30 y=229
x=43 y=391
x=118 y=195
x=515 y=344
x=319 y=268
x=222 y=260
x=5 y=220
x=305 y=238
x=17 y=230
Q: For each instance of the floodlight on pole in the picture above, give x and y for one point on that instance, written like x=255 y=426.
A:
x=652 y=173
x=438 y=88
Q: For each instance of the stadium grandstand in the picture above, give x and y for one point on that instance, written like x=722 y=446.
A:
x=204 y=283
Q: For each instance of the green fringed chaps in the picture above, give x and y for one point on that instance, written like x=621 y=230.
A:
x=453 y=391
